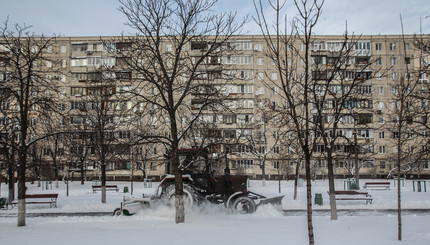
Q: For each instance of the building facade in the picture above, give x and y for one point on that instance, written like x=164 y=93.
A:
x=249 y=130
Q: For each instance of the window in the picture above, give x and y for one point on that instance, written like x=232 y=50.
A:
x=378 y=46
x=381 y=134
x=4 y=106
x=392 y=46
x=379 y=61
x=153 y=166
x=364 y=118
x=245 y=74
x=380 y=90
x=77 y=91
x=168 y=47
x=245 y=89
x=276 y=164
x=334 y=46
x=246 y=103
x=394 y=76
x=80 y=47
x=276 y=149
x=237 y=59
x=382 y=149
x=260 y=61
x=260 y=75
x=407 y=60
x=319 y=60
x=79 y=62
x=63 y=49
x=243 y=45
x=246 y=163
x=258 y=46
x=382 y=164
x=32 y=122
x=364 y=89
x=393 y=61
x=229 y=119
x=381 y=120
x=274 y=76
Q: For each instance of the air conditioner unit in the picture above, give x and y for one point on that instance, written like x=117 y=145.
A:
x=89 y=51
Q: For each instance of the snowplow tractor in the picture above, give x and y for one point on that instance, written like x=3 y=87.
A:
x=202 y=187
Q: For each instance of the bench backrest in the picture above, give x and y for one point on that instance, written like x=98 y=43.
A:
x=350 y=193
x=377 y=183
x=50 y=195
x=107 y=186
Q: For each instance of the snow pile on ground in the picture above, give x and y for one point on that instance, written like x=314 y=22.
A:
x=211 y=224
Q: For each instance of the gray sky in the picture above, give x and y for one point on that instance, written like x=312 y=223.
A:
x=100 y=17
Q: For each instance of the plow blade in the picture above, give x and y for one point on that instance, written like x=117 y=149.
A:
x=273 y=201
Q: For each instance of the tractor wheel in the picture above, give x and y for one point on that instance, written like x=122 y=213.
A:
x=117 y=212
x=189 y=196
x=244 y=205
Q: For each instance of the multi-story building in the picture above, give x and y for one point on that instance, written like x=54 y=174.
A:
x=96 y=84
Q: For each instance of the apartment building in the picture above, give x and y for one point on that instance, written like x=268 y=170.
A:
x=250 y=128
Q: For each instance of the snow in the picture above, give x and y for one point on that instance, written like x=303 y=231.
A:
x=359 y=224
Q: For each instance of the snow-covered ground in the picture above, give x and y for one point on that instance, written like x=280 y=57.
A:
x=213 y=224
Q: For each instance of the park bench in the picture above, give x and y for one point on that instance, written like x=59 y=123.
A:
x=353 y=195
x=108 y=188
x=377 y=185
x=50 y=199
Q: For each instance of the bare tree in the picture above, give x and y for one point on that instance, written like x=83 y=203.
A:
x=342 y=91
x=27 y=64
x=408 y=114
x=8 y=139
x=100 y=120
x=263 y=143
x=422 y=102
x=176 y=44
x=286 y=55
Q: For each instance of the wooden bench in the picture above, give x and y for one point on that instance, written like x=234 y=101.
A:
x=377 y=185
x=108 y=188
x=50 y=199
x=353 y=195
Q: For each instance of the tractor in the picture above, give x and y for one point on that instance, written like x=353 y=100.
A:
x=200 y=186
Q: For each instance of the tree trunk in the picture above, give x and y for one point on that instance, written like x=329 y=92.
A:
x=21 y=189
x=82 y=174
x=296 y=179
x=11 y=184
x=179 y=193
x=309 y=200
x=103 y=167
x=263 y=173
x=357 y=167
x=399 y=201
x=333 y=207
x=179 y=186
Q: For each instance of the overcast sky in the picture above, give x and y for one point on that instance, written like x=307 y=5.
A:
x=101 y=17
